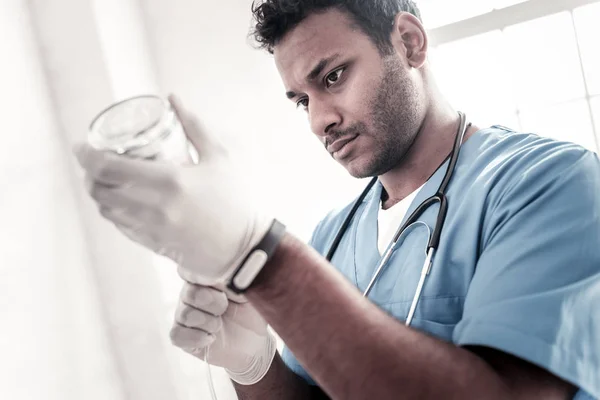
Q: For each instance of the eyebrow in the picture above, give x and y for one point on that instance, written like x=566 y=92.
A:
x=315 y=72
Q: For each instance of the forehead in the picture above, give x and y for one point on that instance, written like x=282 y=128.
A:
x=319 y=36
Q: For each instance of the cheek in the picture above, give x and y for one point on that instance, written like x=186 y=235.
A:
x=364 y=149
x=356 y=100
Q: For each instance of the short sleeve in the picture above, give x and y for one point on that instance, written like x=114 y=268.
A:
x=535 y=292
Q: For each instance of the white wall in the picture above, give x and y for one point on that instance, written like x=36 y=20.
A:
x=52 y=340
x=81 y=308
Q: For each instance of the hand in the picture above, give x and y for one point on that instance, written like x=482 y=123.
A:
x=236 y=333
x=201 y=216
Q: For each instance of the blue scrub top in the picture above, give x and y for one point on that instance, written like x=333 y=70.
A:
x=518 y=264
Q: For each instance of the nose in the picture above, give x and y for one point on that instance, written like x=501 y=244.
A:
x=323 y=116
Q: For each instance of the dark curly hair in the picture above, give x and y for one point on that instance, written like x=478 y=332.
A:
x=275 y=18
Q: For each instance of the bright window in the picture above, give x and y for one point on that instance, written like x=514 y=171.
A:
x=596 y=112
x=564 y=121
x=543 y=61
x=442 y=12
x=540 y=74
x=473 y=69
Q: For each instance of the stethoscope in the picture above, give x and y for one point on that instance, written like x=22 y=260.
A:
x=434 y=239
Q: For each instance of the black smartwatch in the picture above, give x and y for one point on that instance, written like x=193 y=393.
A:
x=254 y=262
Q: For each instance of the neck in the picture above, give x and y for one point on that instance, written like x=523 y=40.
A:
x=431 y=147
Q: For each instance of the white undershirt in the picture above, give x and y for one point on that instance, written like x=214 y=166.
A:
x=388 y=221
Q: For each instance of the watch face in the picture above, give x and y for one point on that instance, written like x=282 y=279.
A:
x=243 y=277
x=253 y=264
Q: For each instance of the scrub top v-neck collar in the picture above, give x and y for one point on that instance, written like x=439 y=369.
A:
x=366 y=256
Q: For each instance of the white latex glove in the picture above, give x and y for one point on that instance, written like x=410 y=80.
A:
x=201 y=216
x=236 y=333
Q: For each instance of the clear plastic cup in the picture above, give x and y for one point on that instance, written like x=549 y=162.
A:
x=144 y=126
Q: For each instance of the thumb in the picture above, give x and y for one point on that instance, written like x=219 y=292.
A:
x=195 y=133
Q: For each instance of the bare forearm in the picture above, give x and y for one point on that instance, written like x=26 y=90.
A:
x=279 y=383
x=351 y=347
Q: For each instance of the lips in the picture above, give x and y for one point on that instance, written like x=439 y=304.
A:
x=340 y=143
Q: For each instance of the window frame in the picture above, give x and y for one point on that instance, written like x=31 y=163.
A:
x=499 y=19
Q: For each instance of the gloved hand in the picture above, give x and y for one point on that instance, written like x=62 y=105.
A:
x=236 y=333
x=202 y=216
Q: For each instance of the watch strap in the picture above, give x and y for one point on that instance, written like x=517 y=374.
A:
x=256 y=259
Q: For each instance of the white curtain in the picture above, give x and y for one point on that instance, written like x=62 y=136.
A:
x=81 y=308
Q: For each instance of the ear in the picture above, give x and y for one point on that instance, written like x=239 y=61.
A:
x=410 y=39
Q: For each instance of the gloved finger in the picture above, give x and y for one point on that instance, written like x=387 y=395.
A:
x=112 y=169
x=108 y=196
x=231 y=295
x=204 y=298
x=120 y=216
x=134 y=226
x=89 y=183
x=194 y=278
x=131 y=206
x=128 y=196
x=133 y=234
x=196 y=134
x=193 y=318
x=190 y=124
x=245 y=317
x=190 y=338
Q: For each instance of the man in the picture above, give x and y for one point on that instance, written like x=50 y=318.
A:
x=507 y=310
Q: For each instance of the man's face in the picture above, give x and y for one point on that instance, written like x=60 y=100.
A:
x=365 y=108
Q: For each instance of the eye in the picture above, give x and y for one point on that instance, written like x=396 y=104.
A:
x=302 y=103
x=333 y=77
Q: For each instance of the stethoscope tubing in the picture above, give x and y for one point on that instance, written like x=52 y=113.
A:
x=434 y=239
